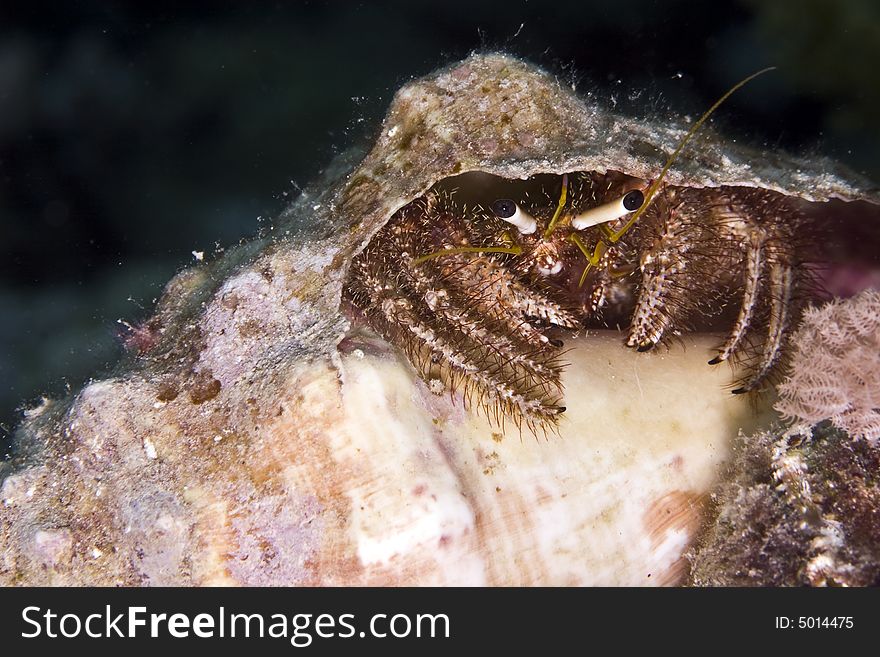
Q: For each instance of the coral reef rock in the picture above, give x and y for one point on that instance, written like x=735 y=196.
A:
x=799 y=510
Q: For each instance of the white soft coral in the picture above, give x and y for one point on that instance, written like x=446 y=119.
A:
x=835 y=367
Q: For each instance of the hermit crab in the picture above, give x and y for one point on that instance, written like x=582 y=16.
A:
x=475 y=279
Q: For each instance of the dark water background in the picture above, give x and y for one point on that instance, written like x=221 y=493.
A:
x=132 y=134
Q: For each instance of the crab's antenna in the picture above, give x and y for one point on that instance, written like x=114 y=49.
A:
x=516 y=250
x=652 y=190
x=559 y=206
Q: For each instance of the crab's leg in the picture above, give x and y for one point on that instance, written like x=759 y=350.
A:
x=449 y=339
x=666 y=282
x=531 y=403
x=449 y=308
x=490 y=289
x=780 y=293
x=755 y=263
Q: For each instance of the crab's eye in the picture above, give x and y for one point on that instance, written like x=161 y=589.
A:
x=509 y=211
x=629 y=202
x=504 y=208
x=633 y=200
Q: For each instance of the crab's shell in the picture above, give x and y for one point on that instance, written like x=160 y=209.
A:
x=245 y=447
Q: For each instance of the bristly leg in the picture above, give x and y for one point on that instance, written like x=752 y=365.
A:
x=754 y=268
x=780 y=293
x=465 y=320
x=679 y=263
x=699 y=249
x=775 y=279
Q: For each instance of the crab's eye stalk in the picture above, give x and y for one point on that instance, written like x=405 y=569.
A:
x=626 y=204
x=509 y=211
